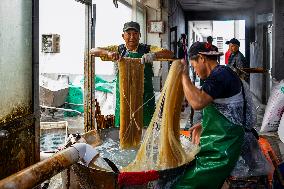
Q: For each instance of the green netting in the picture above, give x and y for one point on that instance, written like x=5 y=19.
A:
x=76 y=94
x=74 y=99
x=103 y=85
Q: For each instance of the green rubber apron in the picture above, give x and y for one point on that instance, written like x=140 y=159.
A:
x=148 y=97
x=220 y=143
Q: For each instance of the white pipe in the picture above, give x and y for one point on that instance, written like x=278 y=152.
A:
x=86 y=152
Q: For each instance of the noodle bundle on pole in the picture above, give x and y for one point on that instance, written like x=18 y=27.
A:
x=131 y=82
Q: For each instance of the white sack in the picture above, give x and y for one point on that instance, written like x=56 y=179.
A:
x=274 y=109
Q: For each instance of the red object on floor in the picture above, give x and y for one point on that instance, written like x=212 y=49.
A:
x=266 y=148
x=185 y=133
x=137 y=178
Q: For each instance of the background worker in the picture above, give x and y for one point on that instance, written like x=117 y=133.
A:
x=133 y=49
x=183 y=54
x=213 y=48
x=227 y=114
x=210 y=41
x=182 y=47
x=237 y=60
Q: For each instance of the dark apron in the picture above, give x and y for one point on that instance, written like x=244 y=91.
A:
x=220 y=143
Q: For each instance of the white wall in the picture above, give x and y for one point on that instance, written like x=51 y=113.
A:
x=241 y=31
x=66 y=18
x=192 y=29
x=109 y=25
x=154 y=13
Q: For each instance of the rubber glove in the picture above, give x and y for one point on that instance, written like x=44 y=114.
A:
x=148 y=58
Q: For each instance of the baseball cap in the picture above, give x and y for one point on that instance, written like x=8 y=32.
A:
x=227 y=42
x=235 y=41
x=131 y=25
x=203 y=48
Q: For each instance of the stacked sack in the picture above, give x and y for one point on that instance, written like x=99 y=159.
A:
x=273 y=119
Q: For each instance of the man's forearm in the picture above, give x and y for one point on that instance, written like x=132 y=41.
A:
x=99 y=52
x=197 y=98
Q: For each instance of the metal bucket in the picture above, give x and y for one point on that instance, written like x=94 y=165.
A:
x=89 y=178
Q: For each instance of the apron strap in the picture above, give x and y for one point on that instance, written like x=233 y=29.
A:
x=252 y=130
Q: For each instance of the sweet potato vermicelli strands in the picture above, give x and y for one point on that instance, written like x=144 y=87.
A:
x=161 y=147
x=131 y=77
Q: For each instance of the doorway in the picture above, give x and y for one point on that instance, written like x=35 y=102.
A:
x=200 y=30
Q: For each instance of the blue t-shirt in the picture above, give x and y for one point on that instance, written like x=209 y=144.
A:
x=222 y=83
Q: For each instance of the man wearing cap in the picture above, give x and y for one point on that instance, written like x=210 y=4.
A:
x=236 y=59
x=221 y=131
x=133 y=49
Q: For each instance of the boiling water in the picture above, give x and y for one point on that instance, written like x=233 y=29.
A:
x=110 y=149
x=121 y=158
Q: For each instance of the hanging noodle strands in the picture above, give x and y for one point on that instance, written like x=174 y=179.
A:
x=162 y=147
x=131 y=82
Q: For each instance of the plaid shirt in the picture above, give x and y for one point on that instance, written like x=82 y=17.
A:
x=237 y=60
